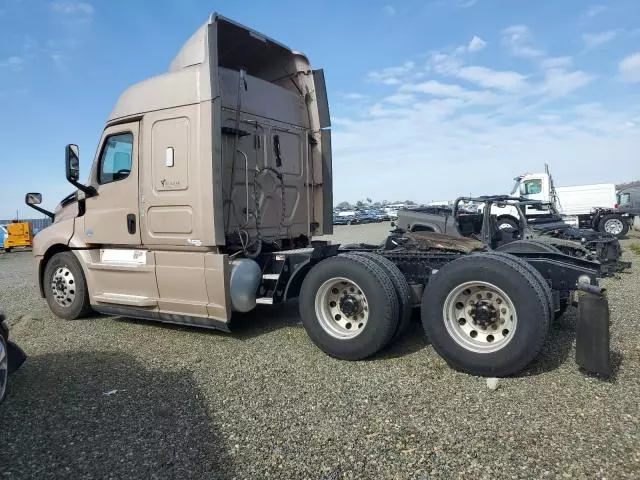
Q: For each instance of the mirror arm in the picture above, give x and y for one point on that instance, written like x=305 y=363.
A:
x=42 y=210
x=88 y=190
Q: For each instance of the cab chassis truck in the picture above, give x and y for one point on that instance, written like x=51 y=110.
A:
x=208 y=185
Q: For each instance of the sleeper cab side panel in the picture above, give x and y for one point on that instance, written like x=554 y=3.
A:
x=181 y=283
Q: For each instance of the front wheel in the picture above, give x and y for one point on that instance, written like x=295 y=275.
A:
x=65 y=287
x=614 y=224
x=485 y=316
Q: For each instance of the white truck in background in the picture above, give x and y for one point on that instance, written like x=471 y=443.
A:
x=583 y=206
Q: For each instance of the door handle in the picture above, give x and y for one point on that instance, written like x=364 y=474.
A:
x=131 y=223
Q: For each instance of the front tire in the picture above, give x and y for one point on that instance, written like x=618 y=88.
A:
x=349 y=307
x=65 y=287
x=485 y=316
x=614 y=224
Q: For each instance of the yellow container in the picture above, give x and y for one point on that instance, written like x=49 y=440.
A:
x=18 y=235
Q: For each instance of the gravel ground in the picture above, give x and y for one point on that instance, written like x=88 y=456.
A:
x=109 y=397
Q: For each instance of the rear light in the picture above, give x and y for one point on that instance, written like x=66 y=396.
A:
x=616 y=206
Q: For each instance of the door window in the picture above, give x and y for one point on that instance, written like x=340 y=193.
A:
x=116 y=160
x=532 y=187
x=624 y=200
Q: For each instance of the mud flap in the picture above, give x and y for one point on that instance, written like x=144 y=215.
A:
x=16 y=356
x=592 y=334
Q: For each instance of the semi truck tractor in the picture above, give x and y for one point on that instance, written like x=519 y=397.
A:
x=207 y=188
x=582 y=206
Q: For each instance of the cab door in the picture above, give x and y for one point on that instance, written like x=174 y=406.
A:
x=111 y=216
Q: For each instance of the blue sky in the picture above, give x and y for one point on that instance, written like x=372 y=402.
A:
x=429 y=98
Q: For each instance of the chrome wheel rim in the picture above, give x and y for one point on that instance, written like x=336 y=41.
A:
x=480 y=317
x=613 y=226
x=4 y=368
x=63 y=287
x=342 y=308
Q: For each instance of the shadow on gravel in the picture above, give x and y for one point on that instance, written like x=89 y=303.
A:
x=261 y=320
x=559 y=345
x=104 y=415
x=556 y=349
x=266 y=319
x=412 y=341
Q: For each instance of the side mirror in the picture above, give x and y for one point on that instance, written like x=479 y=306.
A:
x=33 y=198
x=72 y=163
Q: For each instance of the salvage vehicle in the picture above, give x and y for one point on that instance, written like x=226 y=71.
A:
x=11 y=356
x=208 y=185
x=629 y=202
x=547 y=230
x=582 y=206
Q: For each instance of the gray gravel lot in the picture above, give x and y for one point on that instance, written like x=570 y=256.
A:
x=110 y=397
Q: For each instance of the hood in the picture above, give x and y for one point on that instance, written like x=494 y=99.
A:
x=68 y=207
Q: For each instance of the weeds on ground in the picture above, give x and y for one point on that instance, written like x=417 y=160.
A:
x=635 y=248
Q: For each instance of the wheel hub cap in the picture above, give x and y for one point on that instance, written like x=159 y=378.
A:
x=479 y=316
x=349 y=305
x=63 y=287
x=342 y=308
x=613 y=226
x=484 y=314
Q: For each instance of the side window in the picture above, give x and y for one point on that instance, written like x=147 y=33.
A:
x=532 y=187
x=624 y=200
x=116 y=158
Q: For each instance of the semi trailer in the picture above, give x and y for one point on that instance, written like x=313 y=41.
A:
x=207 y=188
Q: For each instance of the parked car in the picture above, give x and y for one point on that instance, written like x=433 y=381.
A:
x=11 y=356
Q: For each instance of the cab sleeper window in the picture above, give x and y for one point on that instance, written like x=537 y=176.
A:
x=115 y=161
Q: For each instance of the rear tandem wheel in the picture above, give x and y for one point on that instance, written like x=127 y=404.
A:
x=485 y=315
x=349 y=307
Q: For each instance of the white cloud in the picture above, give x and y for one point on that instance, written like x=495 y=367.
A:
x=14 y=63
x=466 y=3
x=557 y=62
x=452 y=91
x=389 y=75
x=519 y=42
x=82 y=8
x=354 y=96
x=476 y=44
x=592 y=40
x=629 y=68
x=596 y=10
x=400 y=99
x=389 y=10
x=438 y=89
x=559 y=83
x=485 y=77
